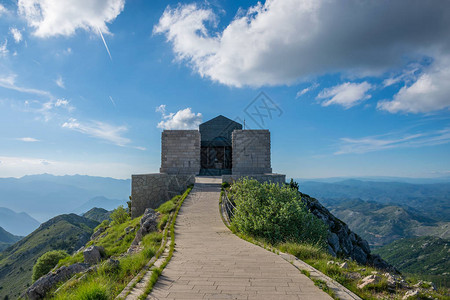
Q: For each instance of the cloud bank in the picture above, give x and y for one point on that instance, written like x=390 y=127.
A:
x=287 y=41
x=284 y=40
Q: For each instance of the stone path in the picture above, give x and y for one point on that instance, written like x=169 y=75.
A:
x=210 y=262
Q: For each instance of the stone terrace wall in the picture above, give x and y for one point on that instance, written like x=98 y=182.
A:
x=180 y=152
x=274 y=178
x=151 y=190
x=251 y=152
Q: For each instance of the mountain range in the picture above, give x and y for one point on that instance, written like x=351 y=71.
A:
x=45 y=196
x=17 y=223
x=431 y=200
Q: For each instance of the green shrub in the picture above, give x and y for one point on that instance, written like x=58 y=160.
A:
x=120 y=215
x=47 y=262
x=275 y=213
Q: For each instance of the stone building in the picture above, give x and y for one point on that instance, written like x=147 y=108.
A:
x=221 y=147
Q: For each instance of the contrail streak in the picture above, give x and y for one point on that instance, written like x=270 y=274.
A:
x=104 y=42
x=112 y=100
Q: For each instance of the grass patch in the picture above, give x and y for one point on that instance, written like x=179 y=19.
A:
x=110 y=278
x=167 y=207
x=324 y=287
x=113 y=278
x=304 y=251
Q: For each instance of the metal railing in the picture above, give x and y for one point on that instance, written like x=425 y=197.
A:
x=227 y=206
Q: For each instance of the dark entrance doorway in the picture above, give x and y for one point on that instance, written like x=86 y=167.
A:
x=216 y=146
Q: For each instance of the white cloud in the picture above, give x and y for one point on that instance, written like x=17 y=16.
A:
x=64 y=17
x=430 y=92
x=3 y=10
x=4 y=49
x=394 y=140
x=407 y=76
x=307 y=90
x=60 y=82
x=50 y=108
x=283 y=41
x=347 y=94
x=99 y=130
x=182 y=119
x=9 y=82
x=27 y=139
x=17 y=35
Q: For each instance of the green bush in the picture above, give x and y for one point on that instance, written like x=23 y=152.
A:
x=276 y=213
x=47 y=262
x=120 y=215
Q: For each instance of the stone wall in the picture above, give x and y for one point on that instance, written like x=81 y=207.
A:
x=151 y=190
x=180 y=152
x=251 y=152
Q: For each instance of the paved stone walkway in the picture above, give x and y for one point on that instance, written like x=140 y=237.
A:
x=210 y=262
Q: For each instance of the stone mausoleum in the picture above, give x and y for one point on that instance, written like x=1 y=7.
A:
x=221 y=147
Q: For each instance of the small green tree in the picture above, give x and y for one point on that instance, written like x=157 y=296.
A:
x=129 y=205
x=47 y=262
x=293 y=185
x=120 y=215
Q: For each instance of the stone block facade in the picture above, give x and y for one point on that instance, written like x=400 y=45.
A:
x=251 y=152
x=180 y=152
x=273 y=178
x=151 y=190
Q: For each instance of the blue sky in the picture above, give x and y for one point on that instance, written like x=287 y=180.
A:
x=358 y=88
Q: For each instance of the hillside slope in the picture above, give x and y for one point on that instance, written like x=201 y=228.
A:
x=7 y=239
x=17 y=223
x=420 y=255
x=65 y=232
